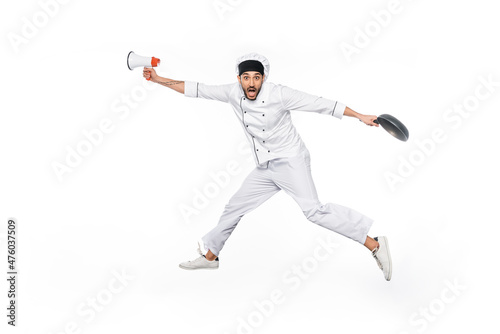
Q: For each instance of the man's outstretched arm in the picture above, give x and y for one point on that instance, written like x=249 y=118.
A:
x=367 y=119
x=191 y=88
x=150 y=73
x=296 y=100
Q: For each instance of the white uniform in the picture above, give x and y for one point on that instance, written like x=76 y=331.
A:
x=282 y=159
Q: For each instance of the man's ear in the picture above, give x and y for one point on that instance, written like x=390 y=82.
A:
x=239 y=79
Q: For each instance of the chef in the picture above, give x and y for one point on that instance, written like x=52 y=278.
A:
x=281 y=157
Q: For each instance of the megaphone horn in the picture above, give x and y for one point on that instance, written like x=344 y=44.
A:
x=134 y=60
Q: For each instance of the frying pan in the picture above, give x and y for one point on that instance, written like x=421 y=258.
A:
x=392 y=125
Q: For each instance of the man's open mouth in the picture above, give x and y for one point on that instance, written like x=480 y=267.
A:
x=251 y=92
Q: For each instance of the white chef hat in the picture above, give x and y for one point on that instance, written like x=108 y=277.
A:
x=254 y=56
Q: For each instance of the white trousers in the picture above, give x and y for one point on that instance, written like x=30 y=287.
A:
x=293 y=175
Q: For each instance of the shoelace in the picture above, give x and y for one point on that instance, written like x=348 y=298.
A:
x=374 y=253
x=199 y=249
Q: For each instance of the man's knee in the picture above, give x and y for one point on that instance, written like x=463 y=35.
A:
x=310 y=211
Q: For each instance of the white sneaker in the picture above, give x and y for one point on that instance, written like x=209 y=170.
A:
x=200 y=263
x=383 y=257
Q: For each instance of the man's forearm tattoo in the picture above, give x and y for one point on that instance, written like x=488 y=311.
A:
x=169 y=83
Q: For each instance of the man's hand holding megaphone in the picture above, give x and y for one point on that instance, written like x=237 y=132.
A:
x=135 y=61
x=149 y=73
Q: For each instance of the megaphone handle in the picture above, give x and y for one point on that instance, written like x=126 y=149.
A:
x=149 y=77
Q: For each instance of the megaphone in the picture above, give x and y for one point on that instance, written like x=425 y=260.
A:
x=134 y=60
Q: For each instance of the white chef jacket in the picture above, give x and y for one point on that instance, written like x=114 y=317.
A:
x=266 y=120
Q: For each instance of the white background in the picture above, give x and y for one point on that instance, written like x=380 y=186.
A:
x=119 y=209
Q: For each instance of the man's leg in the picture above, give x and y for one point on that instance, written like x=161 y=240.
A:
x=210 y=256
x=371 y=243
x=293 y=175
x=255 y=190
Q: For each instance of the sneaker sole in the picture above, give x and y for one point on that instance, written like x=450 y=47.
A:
x=386 y=245
x=188 y=268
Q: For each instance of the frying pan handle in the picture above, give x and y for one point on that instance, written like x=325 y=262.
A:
x=375 y=121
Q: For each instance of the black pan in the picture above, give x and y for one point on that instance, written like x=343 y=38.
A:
x=392 y=125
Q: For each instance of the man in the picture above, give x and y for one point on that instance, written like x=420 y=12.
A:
x=282 y=159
